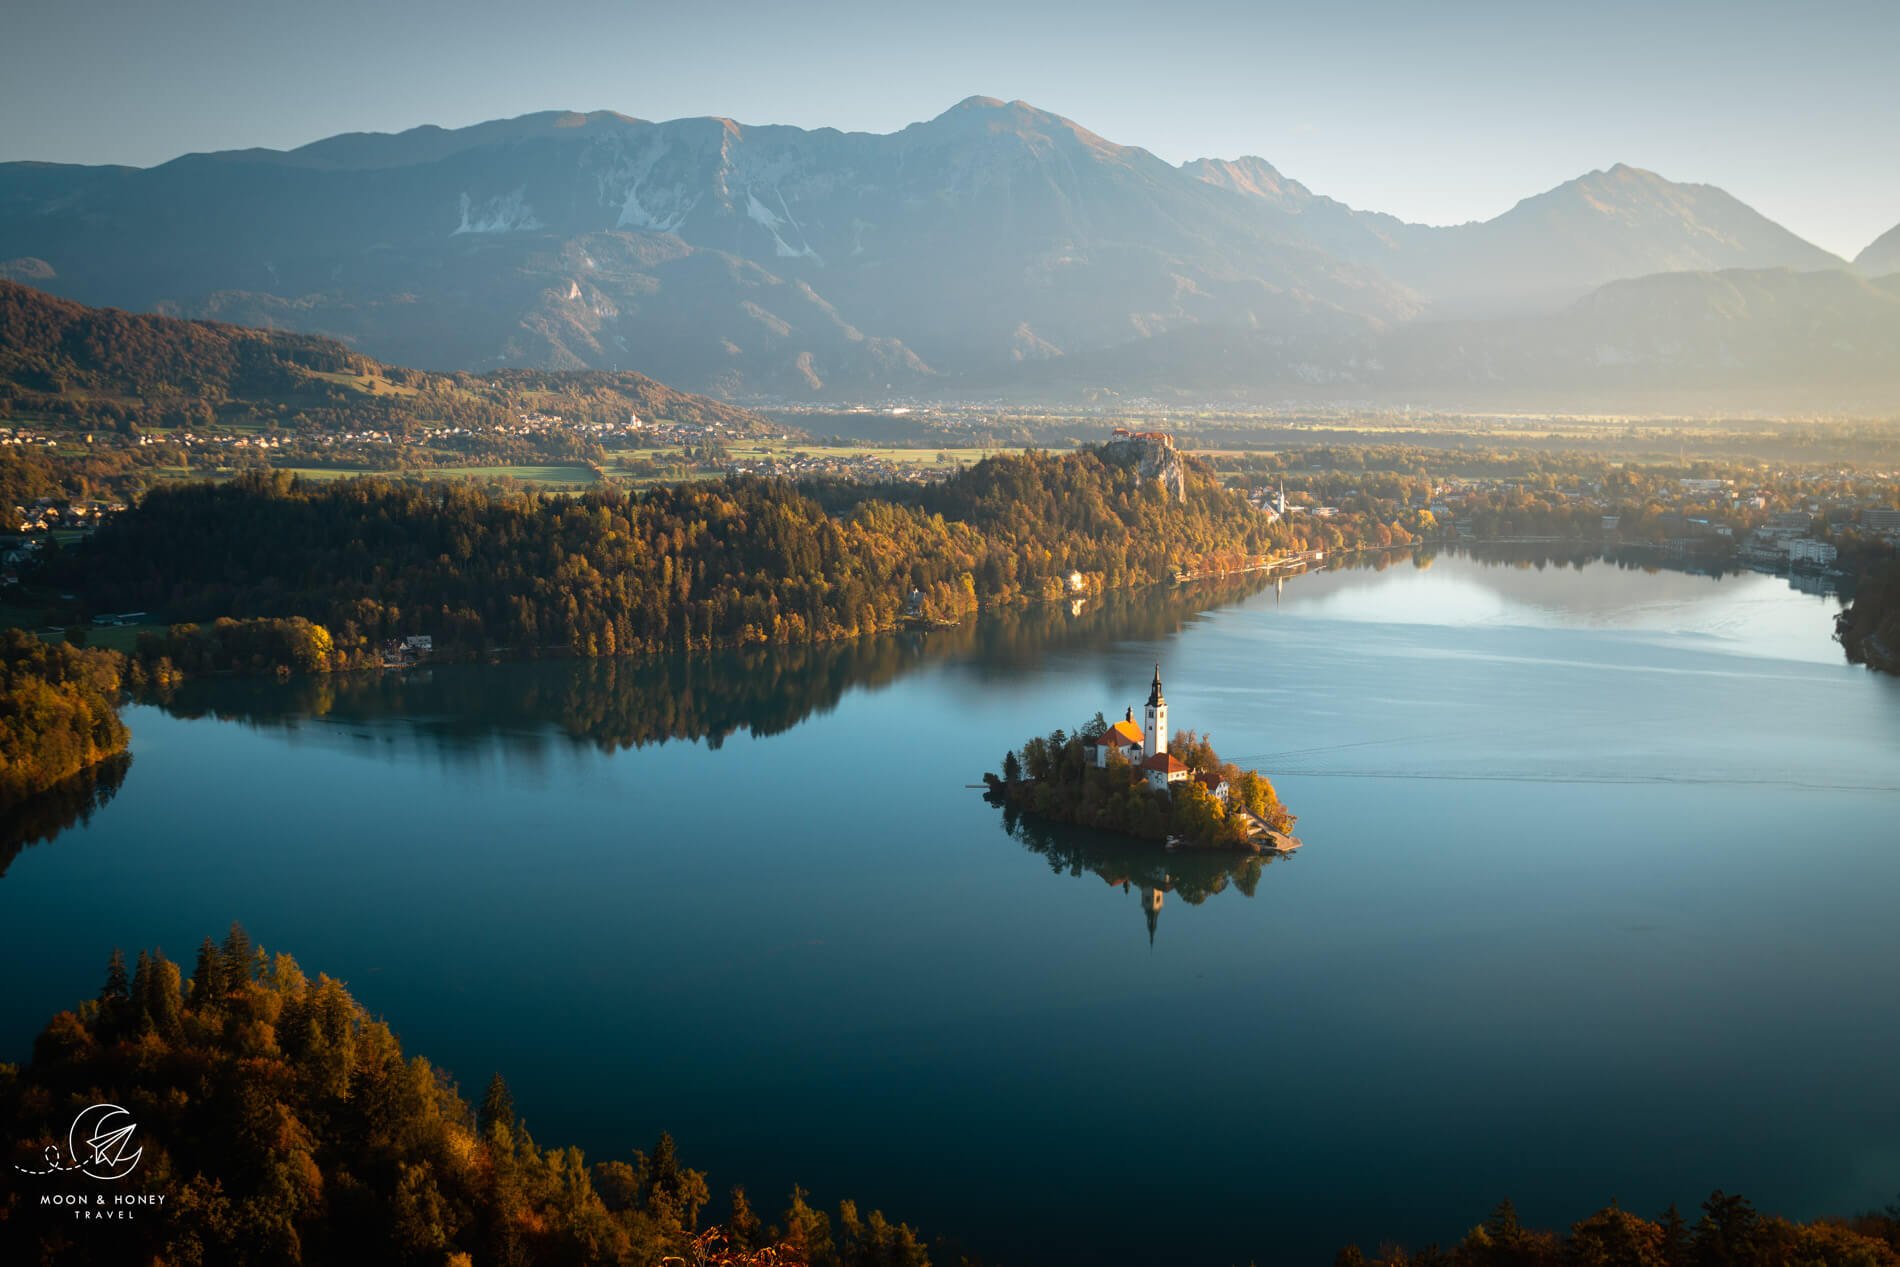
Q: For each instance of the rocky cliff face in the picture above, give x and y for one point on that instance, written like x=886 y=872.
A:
x=1153 y=454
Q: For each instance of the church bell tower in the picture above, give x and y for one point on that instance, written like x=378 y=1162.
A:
x=1154 y=737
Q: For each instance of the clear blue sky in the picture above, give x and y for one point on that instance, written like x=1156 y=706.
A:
x=1438 y=112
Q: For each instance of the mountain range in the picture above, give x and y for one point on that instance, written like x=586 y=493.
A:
x=994 y=248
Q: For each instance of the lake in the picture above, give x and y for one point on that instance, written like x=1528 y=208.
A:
x=1596 y=900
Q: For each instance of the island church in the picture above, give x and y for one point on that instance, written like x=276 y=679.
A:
x=1144 y=747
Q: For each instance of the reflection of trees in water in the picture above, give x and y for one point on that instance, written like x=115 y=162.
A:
x=629 y=703
x=40 y=818
x=1536 y=555
x=1140 y=867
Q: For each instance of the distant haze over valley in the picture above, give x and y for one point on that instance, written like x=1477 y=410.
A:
x=995 y=249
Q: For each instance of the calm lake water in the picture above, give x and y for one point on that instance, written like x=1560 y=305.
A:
x=1597 y=900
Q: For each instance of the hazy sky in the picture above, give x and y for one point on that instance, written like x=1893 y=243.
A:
x=1439 y=112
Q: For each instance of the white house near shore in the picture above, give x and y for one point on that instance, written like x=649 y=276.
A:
x=1143 y=746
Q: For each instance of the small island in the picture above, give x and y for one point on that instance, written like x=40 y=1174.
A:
x=1124 y=777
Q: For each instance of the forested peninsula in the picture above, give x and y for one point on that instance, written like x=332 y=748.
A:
x=58 y=714
x=733 y=562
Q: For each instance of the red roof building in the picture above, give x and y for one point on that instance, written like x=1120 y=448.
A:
x=1164 y=768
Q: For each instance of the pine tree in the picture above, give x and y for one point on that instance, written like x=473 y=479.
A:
x=673 y=1193
x=663 y=1168
x=207 y=977
x=141 y=998
x=1503 y=1225
x=1012 y=767
x=167 y=998
x=1675 y=1243
x=497 y=1109
x=237 y=956
x=742 y=1229
x=808 y=1229
x=116 y=989
x=1728 y=1231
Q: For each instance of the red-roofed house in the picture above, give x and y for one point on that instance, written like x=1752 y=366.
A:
x=1123 y=737
x=1164 y=768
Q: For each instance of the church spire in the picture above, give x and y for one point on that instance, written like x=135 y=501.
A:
x=1151 y=905
x=1154 y=737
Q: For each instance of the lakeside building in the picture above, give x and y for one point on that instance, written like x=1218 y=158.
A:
x=1808 y=552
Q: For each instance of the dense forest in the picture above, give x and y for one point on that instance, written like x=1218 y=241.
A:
x=733 y=562
x=1870 y=627
x=58 y=714
x=283 y=1124
x=118 y=371
x=1729 y=1232
x=1054 y=778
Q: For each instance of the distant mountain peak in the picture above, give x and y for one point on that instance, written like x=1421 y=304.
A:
x=1882 y=255
x=975 y=102
x=1018 y=118
x=1249 y=174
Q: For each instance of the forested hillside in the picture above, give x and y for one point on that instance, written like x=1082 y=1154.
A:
x=738 y=561
x=103 y=368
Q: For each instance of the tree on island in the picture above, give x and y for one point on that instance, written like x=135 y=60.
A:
x=1063 y=783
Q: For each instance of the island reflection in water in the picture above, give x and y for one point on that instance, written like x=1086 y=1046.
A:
x=619 y=703
x=1140 y=867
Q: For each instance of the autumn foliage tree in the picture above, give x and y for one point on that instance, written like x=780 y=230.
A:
x=58 y=714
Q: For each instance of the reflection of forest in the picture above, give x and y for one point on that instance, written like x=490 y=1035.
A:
x=1141 y=867
x=621 y=703
x=628 y=703
x=42 y=817
x=1536 y=554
